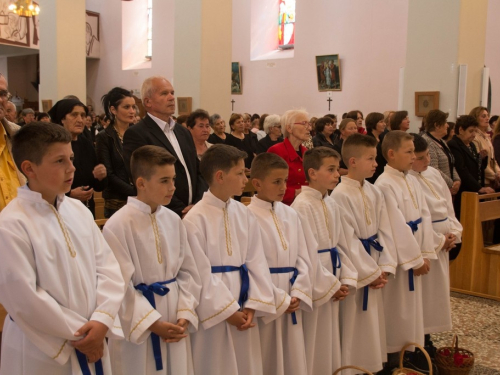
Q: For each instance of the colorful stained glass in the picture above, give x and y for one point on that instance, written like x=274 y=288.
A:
x=286 y=29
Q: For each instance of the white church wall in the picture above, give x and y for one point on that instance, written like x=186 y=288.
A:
x=369 y=36
x=106 y=73
x=492 y=54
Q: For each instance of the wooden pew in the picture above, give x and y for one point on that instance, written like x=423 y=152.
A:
x=476 y=271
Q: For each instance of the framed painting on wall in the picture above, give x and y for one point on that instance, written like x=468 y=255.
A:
x=328 y=73
x=184 y=105
x=92 y=35
x=236 y=83
x=426 y=101
x=46 y=105
x=14 y=29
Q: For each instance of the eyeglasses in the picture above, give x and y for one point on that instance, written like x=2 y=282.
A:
x=4 y=94
x=303 y=123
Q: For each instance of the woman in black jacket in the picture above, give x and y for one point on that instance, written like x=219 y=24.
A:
x=325 y=128
x=468 y=162
x=119 y=106
x=90 y=175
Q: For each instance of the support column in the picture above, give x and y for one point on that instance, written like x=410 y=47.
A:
x=441 y=36
x=203 y=53
x=62 y=50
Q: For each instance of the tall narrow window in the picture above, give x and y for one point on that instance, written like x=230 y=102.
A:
x=286 y=30
x=150 y=30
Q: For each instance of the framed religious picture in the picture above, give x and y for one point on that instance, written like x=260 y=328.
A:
x=184 y=105
x=236 y=87
x=46 y=105
x=328 y=73
x=426 y=101
x=92 y=32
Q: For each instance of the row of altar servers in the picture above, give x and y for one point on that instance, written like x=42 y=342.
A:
x=310 y=253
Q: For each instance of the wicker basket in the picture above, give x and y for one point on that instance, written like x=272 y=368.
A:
x=352 y=367
x=449 y=365
x=403 y=371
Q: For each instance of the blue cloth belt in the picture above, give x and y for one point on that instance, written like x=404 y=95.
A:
x=440 y=221
x=84 y=364
x=292 y=280
x=414 y=227
x=368 y=244
x=334 y=254
x=149 y=292
x=245 y=280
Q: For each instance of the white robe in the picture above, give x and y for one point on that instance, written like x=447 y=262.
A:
x=363 y=332
x=321 y=326
x=132 y=237
x=49 y=290
x=282 y=342
x=436 y=285
x=403 y=308
x=218 y=347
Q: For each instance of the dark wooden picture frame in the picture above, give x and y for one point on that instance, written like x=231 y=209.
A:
x=328 y=73
x=184 y=105
x=426 y=101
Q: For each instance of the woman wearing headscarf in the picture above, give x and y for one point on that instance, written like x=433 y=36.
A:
x=89 y=176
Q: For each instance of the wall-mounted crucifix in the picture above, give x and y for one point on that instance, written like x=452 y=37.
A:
x=232 y=104
x=329 y=100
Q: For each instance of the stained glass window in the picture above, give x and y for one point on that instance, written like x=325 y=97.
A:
x=286 y=30
x=150 y=29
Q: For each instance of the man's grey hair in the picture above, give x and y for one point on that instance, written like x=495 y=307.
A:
x=270 y=122
x=147 y=89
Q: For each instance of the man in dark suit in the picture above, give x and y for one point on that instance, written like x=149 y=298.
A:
x=159 y=129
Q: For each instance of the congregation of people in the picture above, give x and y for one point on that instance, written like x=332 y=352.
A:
x=340 y=256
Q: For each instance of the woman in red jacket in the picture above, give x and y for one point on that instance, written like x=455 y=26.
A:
x=297 y=129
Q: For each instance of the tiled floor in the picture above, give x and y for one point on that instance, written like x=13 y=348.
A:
x=476 y=321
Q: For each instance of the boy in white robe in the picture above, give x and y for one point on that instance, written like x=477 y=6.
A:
x=333 y=273
x=59 y=281
x=236 y=284
x=281 y=335
x=362 y=316
x=413 y=237
x=163 y=286
x=447 y=233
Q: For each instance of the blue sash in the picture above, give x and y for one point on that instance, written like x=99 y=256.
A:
x=245 y=280
x=440 y=221
x=367 y=244
x=292 y=280
x=334 y=254
x=84 y=364
x=149 y=292
x=414 y=227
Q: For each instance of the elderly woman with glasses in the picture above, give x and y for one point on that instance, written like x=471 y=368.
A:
x=272 y=128
x=297 y=129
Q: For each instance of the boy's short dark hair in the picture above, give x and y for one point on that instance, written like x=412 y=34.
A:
x=393 y=140
x=266 y=162
x=32 y=141
x=313 y=158
x=354 y=147
x=198 y=114
x=219 y=157
x=145 y=159
x=420 y=143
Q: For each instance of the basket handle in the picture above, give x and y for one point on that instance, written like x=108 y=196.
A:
x=454 y=343
x=401 y=355
x=353 y=367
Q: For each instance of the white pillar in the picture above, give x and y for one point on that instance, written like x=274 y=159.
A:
x=62 y=50
x=203 y=53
